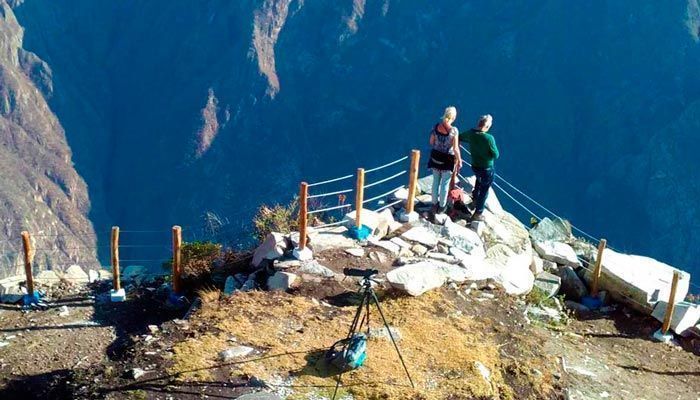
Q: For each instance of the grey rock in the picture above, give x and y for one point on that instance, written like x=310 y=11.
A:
x=286 y=264
x=685 y=315
x=425 y=184
x=231 y=285
x=548 y=283
x=421 y=235
x=233 y=353
x=136 y=373
x=393 y=248
x=281 y=281
x=419 y=249
x=93 y=276
x=463 y=238
x=558 y=252
x=571 y=284
x=314 y=268
x=272 y=248
x=355 y=252
x=400 y=242
x=383 y=333
x=557 y=230
x=259 y=396
x=378 y=257
x=47 y=278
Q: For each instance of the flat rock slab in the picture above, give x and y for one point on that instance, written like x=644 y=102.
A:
x=356 y=252
x=416 y=279
x=391 y=247
x=558 y=252
x=685 y=315
x=259 y=396
x=421 y=235
x=314 y=268
x=556 y=230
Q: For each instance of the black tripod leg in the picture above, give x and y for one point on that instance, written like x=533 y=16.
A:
x=353 y=328
x=376 y=301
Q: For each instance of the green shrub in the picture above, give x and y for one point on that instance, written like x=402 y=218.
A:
x=197 y=262
x=277 y=218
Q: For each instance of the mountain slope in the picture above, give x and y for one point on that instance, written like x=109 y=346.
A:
x=593 y=102
x=39 y=189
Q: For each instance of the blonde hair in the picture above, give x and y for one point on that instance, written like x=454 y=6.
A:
x=450 y=114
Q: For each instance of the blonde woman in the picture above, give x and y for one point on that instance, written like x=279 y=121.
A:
x=445 y=157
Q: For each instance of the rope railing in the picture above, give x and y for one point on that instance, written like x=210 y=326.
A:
x=382 y=195
x=379 y=182
x=322 y=210
x=331 y=180
x=386 y=165
x=330 y=193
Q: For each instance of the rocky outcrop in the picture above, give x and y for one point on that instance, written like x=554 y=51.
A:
x=40 y=191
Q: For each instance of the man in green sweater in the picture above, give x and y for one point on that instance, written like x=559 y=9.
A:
x=484 y=152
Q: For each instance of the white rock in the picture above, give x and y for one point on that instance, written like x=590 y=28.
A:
x=641 y=279
x=556 y=230
x=441 y=219
x=368 y=218
x=334 y=237
x=421 y=235
x=304 y=254
x=485 y=373
x=419 y=249
x=93 y=276
x=508 y=230
x=400 y=242
x=395 y=226
x=537 y=265
x=378 y=257
x=235 y=352
x=281 y=281
x=273 y=247
x=136 y=373
x=442 y=257
x=393 y=248
x=478 y=226
x=548 y=283
x=461 y=237
x=47 y=278
x=63 y=311
x=314 y=268
x=558 y=252
x=685 y=315
x=408 y=217
x=401 y=194
x=416 y=279
x=386 y=219
x=356 y=252
x=76 y=274
x=478 y=270
x=516 y=277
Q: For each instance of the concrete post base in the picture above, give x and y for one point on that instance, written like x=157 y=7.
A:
x=304 y=254
x=661 y=337
x=117 y=296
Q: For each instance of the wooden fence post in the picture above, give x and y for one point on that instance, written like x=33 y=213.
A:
x=598 y=267
x=177 y=258
x=359 y=196
x=303 y=213
x=412 y=180
x=671 y=303
x=28 y=256
x=116 y=275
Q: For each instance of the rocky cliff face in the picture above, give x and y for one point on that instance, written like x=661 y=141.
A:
x=40 y=191
x=175 y=110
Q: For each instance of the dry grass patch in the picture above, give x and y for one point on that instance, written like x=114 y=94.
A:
x=440 y=345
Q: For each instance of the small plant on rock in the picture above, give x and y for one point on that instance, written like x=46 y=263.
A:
x=197 y=262
x=276 y=218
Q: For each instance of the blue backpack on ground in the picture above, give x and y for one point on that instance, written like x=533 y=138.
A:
x=348 y=354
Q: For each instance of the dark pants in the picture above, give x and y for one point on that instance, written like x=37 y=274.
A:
x=484 y=179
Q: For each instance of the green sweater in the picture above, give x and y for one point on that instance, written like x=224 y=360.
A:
x=482 y=146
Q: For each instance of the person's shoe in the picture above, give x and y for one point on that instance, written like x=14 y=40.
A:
x=478 y=216
x=441 y=209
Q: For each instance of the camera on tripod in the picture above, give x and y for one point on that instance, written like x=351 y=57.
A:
x=364 y=273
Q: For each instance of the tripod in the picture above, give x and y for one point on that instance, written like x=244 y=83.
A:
x=360 y=320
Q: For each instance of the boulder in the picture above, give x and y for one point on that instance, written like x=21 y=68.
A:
x=637 y=281
x=416 y=279
x=281 y=281
x=286 y=264
x=400 y=242
x=400 y=194
x=421 y=235
x=75 y=274
x=557 y=230
x=105 y=275
x=425 y=184
x=387 y=245
x=335 y=237
x=356 y=251
x=314 y=268
x=93 y=276
x=516 y=277
x=232 y=284
x=478 y=269
x=571 y=285
x=548 y=283
x=272 y=248
x=537 y=265
x=463 y=238
x=370 y=219
x=506 y=229
x=47 y=277
x=558 y=252
x=10 y=291
x=386 y=219
x=550 y=266
x=685 y=315
x=419 y=249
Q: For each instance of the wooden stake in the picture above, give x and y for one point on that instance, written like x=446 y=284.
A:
x=303 y=213
x=598 y=267
x=359 y=195
x=412 y=180
x=177 y=258
x=671 y=303
x=116 y=275
x=28 y=256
